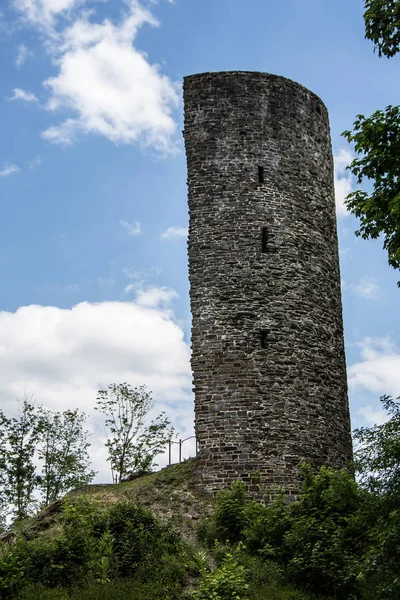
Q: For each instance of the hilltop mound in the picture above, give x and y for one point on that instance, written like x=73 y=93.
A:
x=169 y=494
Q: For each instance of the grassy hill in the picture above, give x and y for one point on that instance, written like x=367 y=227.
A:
x=135 y=540
x=157 y=538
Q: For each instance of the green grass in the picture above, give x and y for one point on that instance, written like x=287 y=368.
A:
x=115 y=590
x=276 y=591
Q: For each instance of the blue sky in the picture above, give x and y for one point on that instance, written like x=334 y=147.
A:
x=93 y=264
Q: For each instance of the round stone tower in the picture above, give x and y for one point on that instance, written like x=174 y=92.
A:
x=267 y=335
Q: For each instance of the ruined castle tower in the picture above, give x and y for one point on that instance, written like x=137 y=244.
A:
x=267 y=337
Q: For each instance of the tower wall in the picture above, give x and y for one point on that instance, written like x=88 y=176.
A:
x=267 y=336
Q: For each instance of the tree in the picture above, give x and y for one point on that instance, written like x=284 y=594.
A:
x=378 y=464
x=377 y=140
x=3 y=463
x=132 y=444
x=20 y=473
x=62 y=448
x=378 y=453
x=382 y=25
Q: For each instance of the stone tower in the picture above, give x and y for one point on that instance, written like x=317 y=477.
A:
x=267 y=336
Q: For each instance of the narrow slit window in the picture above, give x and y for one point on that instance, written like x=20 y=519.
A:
x=263 y=338
x=260 y=174
x=265 y=238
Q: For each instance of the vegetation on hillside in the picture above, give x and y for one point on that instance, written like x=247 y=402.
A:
x=44 y=453
x=339 y=540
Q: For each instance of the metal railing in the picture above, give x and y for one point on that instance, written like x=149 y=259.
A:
x=179 y=443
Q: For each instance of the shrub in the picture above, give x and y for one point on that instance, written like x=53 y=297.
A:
x=326 y=540
x=124 y=541
x=266 y=528
x=138 y=537
x=228 y=582
x=206 y=531
x=229 y=513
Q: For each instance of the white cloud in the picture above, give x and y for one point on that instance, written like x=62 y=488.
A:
x=43 y=13
x=23 y=53
x=63 y=356
x=142 y=274
x=148 y=294
x=174 y=232
x=379 y=371
x=154 y=296
x=9 y=170
x=132 y=229
x=373 y=416
x=343 y=180
x=109 y=86
x=22 y=95
x=64 y=134
x=367 y=287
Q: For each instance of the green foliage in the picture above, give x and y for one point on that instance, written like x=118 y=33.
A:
x=382 y=25
x=267 y=526
x=378 y=452
x=132 y=444
x=95 y=548
x=62 y=449
x=228 y=582
x=340 y=539
x=200 y=562
x=206 y=531
x=35 y=436
x=318 y=539
x=376 y=139
x=139 y=538
x=380 y=575
x=378 y=463
x=124 y=589
x=273 y=591
x=21 y=435
x=102 y=560
x=230 y=512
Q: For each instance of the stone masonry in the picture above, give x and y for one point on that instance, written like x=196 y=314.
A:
x=267 y=336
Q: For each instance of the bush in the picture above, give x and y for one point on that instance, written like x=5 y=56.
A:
x=206 y=531
x=266 y=528
x=139 y=538
x=228 y=582
x=327 y=537
x=126 y=589
x=229 y=513
x=94 y=547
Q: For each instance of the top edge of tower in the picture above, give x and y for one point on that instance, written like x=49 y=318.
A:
x=252 y=75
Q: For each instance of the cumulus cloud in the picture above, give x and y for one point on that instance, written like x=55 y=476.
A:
x=19 y=94
x=108 y=85
x=43 y=13
x=367 y=287
x=343 y=180
x=379 y=369
x=154 y=296
x=23 y=53
x=133 y=229
x=63 y=356
x=9 y=170
x=174 y=232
